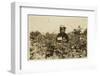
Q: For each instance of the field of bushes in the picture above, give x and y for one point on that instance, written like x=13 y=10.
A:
x=45 y=46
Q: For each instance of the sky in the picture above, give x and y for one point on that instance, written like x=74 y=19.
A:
x=51 y=24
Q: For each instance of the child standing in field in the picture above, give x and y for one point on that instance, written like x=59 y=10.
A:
x=62 y=37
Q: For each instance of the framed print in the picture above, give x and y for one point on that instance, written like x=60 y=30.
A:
x=51 y=38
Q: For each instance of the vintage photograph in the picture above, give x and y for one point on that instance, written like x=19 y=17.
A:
x=57 y=37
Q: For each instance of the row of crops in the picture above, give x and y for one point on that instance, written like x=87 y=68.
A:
x=45 y=46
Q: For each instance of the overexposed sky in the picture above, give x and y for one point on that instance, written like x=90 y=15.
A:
x=52 y=23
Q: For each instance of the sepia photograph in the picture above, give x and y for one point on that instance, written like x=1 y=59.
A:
x=57 y=37
x=46 y=38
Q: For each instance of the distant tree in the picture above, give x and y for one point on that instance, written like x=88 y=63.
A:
x=85 y=31
x=33 y=35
